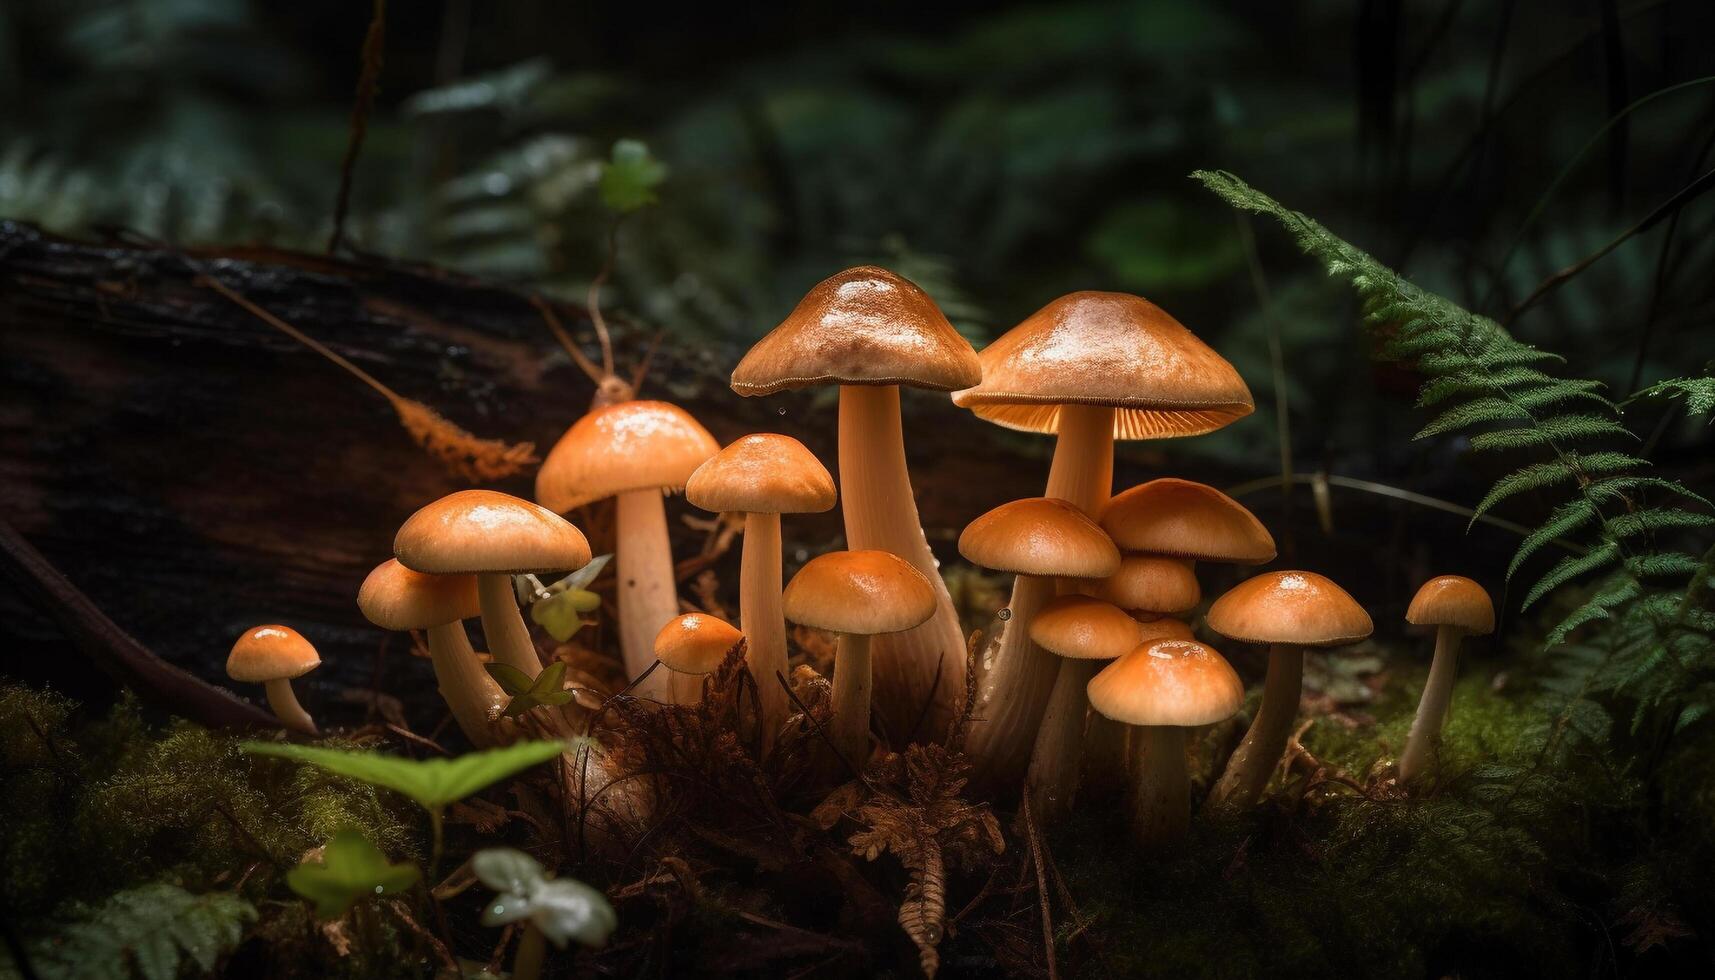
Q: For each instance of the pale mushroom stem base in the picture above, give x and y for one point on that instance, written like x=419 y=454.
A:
x=1013 y=694
x=685 y=688
x=849 y=728
x=647 y=594
x=1017 y=688
x=286 y=707
x=880 y=514
x=1435 y=708
x=503 y=625
x=472 y=696
x=1052 y=780
x=532 y=952
x=1254 y=761
x=1106 y=765
x=1161 y=797
x=761 y=618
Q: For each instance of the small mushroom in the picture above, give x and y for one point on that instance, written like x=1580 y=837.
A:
x=395 y=597
x=1092 y=367
x=1455 y=606
x=1152 y=585
x=872 y=332
x=493 y=536
x=763 y=476
x=1182 y=519
x=1085 y=633
x=693 y=645
x=634 y=452
x=1165 y=687
x=1290 y=611
x=272 y=656
x=857 y=595
x=1039 y=539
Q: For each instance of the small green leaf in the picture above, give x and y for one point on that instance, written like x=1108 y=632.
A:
x=511 y=680
x=548 y=687
x=562 y=615
x=433 y=783
x=563 y=909
x=507 y=870
x=351 y=868
x=628 y=181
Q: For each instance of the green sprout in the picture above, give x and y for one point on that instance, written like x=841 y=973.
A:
x=546 y=688
x=557 y=910
x=628 y=181
x=350 y=868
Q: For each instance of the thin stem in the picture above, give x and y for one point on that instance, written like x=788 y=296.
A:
x=1252 y=764
x=1052 y=780
x=437 y=845
x=1082 y=472
x=532 y=951
x=648 y=596
x=1435 y=707
x=849 y=728
x=286 y=706
x=469 y=692
x=761 y=618
x=503 y=626
x=919 y=673
x=1161 y=799
x=301 y=337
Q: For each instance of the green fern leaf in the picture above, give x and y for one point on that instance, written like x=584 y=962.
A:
x=1563 y=428
x=1615 y=488
x=1566 y=518
x=1656 y=519
x=1478 y=411
x=1570 y=568
x=1668 y=565
x=1620 y=590
x=155 y=931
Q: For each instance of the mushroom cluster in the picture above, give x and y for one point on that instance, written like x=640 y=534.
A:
x=1096 y=675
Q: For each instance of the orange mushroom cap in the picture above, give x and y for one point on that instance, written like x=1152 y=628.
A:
x=1453 y=600
x=1297 y=608
x=485 y=531
x=1113 y=349
x=859 y=592
x=1169 y=682
x=695 y=643
x=1084 y=628
x=863 y=326
x=1189 y=520
x=395 y=597
x=633 y=445
x=764 y=473
x=271 y=653
x=1040 y=536
x=1152 y=583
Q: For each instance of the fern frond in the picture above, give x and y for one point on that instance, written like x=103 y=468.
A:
x=1569 y=568
x=1478 y=411
x=1549 y=431
x=154 y=931
x=1654 y=519
x=1618 y=591
x=1568 y=517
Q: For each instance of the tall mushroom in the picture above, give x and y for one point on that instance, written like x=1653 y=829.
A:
x=1455 y=606
x=1085 y=633
x=1290 y=611
x=493 y=536
x=1165 y=687
x=1039 y=539
x=763 y=476
x=693 y=645
x=635 y=452
x=870 y=331
x=857 y=595
x=1092 y=367
x=272 y=656
x=396 y=598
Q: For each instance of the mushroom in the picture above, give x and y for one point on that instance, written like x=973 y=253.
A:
x=1165 y=687
x=395 y=597
x=1092 y=367
x=693 y=645
x=871 y=331
x=272 y=656
x=1290 y=611
x=1084 y=632
x=858 y=595
x=1153 y=585
x=635 y=452
x=1182 y=519
x=763 y=476
x=1455 y=606
x=1038 y=539
x=494 y=536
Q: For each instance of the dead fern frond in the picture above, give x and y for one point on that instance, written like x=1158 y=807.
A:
x=470 y=456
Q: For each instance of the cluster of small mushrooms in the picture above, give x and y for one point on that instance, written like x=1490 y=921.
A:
x=1095 y=677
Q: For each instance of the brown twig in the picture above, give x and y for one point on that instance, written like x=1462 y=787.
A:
x=1041 y=888
x=374 y=52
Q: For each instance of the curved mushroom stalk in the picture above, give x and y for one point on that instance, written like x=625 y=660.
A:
x=1248 y=771
x=761 y=618
x=849 y=728
x=1052 y=780
x=881 y=514
x=1014 y=694
x=286 y=706
x=648 y=595
x=1161 y=798
x=1435 y=707
x=503 y=625
x=473 y=697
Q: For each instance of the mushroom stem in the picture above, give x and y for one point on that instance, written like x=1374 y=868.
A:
x=503 y=626
x=1013 y=693
x=762 y=620
x=643 y=569
x=1083 y=467
x=1252 y=764
x=1436 y=706
x=1161 y=798
x=685 y=688
x=1052 y=780
x=532 y=951
x=880 y=513
x=1105 y=765
x=1023 y=674
x=286 y=706
x=849 y=729
x=473 y=696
